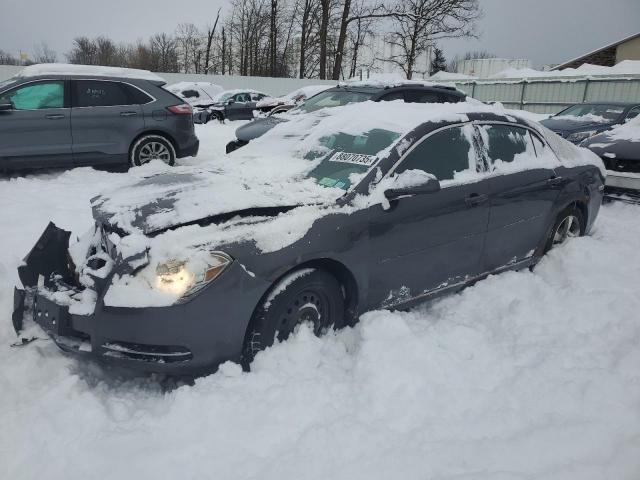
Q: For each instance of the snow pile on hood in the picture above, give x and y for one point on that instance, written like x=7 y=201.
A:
x=629 y=131
x=88 y=70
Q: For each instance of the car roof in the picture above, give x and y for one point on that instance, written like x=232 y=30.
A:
x=72 y=70
x=398 y=86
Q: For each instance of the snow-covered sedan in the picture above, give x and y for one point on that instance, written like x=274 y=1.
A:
x=329 y=215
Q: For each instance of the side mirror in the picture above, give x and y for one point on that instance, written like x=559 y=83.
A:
x=5 y=106
x=411 y=183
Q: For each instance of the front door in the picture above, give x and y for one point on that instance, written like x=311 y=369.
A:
x=104 y=121
x=37 y=131
x=241 y=108
x=434 y=241
x=523 y=188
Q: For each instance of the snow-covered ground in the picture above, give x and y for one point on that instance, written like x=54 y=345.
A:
x=526 y=375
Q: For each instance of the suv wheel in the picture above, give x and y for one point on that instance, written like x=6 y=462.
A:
x=152 y=147
x=306 y=295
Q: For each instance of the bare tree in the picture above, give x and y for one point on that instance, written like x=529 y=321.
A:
x=43 y=54
x=188 y=38
x=211 y=32
x=164 y=50
x=7 y=59
x=420 y=23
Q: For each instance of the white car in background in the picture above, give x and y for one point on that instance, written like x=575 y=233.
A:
x=290 y=100
x=197 y=94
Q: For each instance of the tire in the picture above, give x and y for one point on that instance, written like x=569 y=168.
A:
x=305 y=295
x=152 y=147
x=569 y=223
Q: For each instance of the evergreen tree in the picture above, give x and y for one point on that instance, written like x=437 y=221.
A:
x=439 y=63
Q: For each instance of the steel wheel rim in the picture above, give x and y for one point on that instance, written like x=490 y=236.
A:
x=568 y=228
x=154 y=151
x=307 y=306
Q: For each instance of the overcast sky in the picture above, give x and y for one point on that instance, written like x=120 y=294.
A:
x=544 y=31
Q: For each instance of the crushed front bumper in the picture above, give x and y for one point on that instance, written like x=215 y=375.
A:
x=190 y=338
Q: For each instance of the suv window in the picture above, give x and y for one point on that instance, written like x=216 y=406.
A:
x=422 y=96
x=390 y=97
x=633 y=113
x=37 y=96
x=443 y=154
x=137 y=96
x=98 y=93
x=504 y=143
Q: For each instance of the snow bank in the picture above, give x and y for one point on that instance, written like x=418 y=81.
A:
x=524 y=375
x=88 y=70
x=626 y=67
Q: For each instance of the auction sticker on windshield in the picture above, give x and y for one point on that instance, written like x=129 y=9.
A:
x=354 y=158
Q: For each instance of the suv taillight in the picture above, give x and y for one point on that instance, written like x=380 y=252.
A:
x=182 y=109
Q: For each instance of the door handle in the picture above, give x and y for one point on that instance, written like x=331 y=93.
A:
x=54 y=116
x=476 y=199
x=128 y=114
x=555 y=181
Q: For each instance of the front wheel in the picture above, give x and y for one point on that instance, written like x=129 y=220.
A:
x=152 y=147
x=304 y=296
x=570 y=223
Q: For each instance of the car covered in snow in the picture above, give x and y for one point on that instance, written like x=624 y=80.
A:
x=290 y=100
x=232 y=105
x=355 y=92
x=619 y=149
x=57 y=115
x=583 y=120
x=327 y=216
x=197 y=94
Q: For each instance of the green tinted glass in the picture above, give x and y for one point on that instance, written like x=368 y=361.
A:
x=38 y=95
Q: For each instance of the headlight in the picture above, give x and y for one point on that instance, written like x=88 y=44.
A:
x=178 y=278
x=579 y=136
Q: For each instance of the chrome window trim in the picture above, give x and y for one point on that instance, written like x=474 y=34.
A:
x=84 y=79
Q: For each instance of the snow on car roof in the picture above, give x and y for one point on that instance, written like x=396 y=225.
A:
x=88 y=70
x=393 y=80
x=238 y=90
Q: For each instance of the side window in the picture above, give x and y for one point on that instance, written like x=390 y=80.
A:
x=633 y=113
x=390 y=97
x=37 y=96
x=190 y=94
x=94 y=93
x=136 y=95
x=443 y=154
x=422 y=96
x=242 y=97
x=505 y=144
x=257 y=96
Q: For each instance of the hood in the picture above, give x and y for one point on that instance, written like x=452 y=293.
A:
x=257 y=128
x=568 y=125
x=604 y=146
x=170 y=200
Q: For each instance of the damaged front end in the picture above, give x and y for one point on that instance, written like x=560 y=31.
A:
x=60 y=280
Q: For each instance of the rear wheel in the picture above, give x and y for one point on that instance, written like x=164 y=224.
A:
x=569 y=224
x=304 y=296
x=152 y=147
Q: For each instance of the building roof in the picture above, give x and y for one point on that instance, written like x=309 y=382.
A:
x=581 y=57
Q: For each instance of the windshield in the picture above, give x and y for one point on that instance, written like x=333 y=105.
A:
x=336 y=98
x=594 y=113
x=349 y=155
x=223 y=97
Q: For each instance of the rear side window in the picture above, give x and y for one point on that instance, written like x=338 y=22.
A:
x=136 y=95
x=190 y=94
x=422 y=96
x=444 y=154
x=93 y=93
x=505 y=144
x=37 y=96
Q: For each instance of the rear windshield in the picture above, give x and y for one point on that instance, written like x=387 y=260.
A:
x=595 y=113
x=336 y=98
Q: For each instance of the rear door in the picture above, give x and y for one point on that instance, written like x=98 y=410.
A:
x=523 y=187
x=105 y=118
x=425 y=243
x=37 y=132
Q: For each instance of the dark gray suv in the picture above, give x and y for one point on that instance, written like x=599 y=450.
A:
x=59 y=120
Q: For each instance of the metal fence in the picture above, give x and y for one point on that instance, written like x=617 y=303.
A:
x=549 y=95
x=539 y=95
